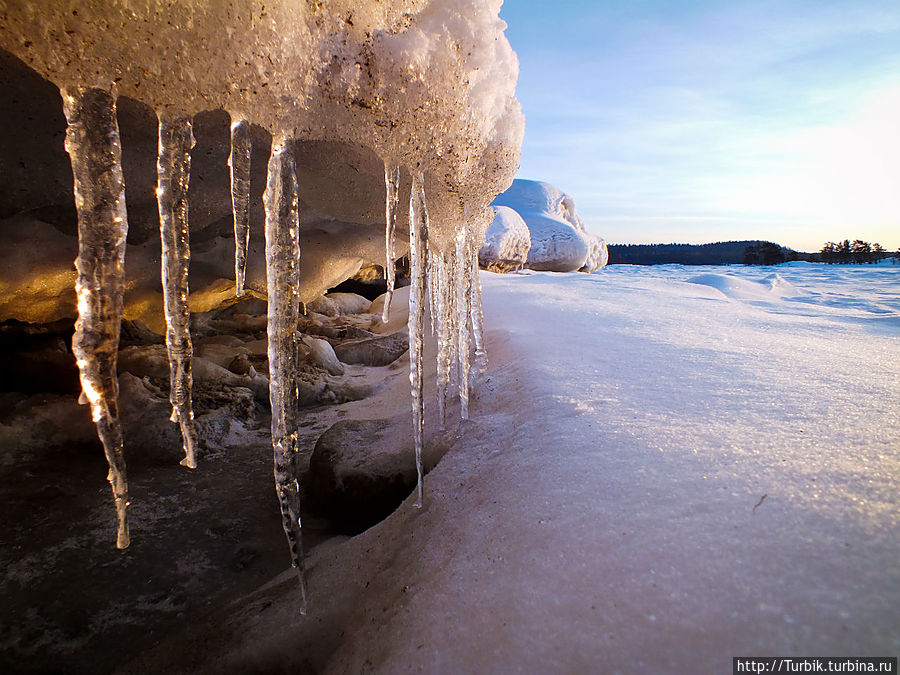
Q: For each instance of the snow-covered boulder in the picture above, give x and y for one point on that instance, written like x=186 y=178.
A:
x=506 y=242
x=598 y=254
x=559 y=241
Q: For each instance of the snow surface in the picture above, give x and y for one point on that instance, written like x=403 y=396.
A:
x=712 y=472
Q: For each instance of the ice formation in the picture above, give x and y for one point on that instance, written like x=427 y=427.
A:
x=391 y=205
x=418 y=254
x=282 y=201
x=92 y=141
x=461 y=284
x=427 y=85
x=239 y=164
x=174 y=171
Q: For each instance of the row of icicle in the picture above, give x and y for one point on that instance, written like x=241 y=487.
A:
x=448 y=282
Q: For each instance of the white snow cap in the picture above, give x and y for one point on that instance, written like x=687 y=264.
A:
x=559 y=240
x=421 y=82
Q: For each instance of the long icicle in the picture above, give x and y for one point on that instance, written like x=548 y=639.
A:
x=92 y=141
x=391 y=208
x=173 y=176
x=283 y=284
x=418 y=244
x=461 y=290
x=481 y=356
x=440 y=311
x=239 y=162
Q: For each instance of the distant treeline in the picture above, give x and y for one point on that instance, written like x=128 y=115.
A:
x=856 y=251
x=719 y=253
x=754 y=252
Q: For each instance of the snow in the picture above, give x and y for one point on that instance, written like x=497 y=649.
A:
x=559 y=241
x=702 y=476
x=506 y=242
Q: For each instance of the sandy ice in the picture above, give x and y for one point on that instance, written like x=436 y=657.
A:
x=664 y=469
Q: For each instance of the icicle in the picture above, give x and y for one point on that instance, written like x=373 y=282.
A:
x=461 y=290
x=173 y=172
x=481 y=357
x=446 y=357
x=450 y=317
x=434 y=265
x=391 y=204
x=239 y=161
x=92 y=141
x=418 y=244
x=439 y=312
x=283 y=284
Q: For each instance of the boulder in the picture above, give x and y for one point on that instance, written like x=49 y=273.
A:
x=376 y=351
x=361 y=470
x=559 y=240
x=506 y=242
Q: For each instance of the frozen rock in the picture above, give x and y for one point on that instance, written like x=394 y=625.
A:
x=506 y=242
x=376 y=351
x=349 y=303
x=598 y=254
x=322 y=354
x=559 y=241
x=361 y=470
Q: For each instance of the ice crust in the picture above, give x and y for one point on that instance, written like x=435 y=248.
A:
x=427 y=83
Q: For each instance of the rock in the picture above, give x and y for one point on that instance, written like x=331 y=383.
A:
x=240 y=365
x=324 y=306
x=361 y=470
x=559 y=241
x=506 y=242
x=349 y=303
x=137 y=333
x=322 y=354
x=598 y=254
x=376 y=351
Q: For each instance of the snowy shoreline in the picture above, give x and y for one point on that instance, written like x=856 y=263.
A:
x=659 y=474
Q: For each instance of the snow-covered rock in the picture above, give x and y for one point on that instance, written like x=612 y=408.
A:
x=375 y=351
x=361 y=470
x=506 y=242
x=559 y=240
x=598 y=254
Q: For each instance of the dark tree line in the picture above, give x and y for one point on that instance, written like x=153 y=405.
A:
x=769 y=253
x=718 y=253
x=856 y=251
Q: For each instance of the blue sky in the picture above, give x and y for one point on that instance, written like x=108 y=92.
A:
x=705 y=121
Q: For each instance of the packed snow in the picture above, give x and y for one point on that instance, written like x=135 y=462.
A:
x=659 y=474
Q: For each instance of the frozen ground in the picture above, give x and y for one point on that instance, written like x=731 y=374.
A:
x=666 y=467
